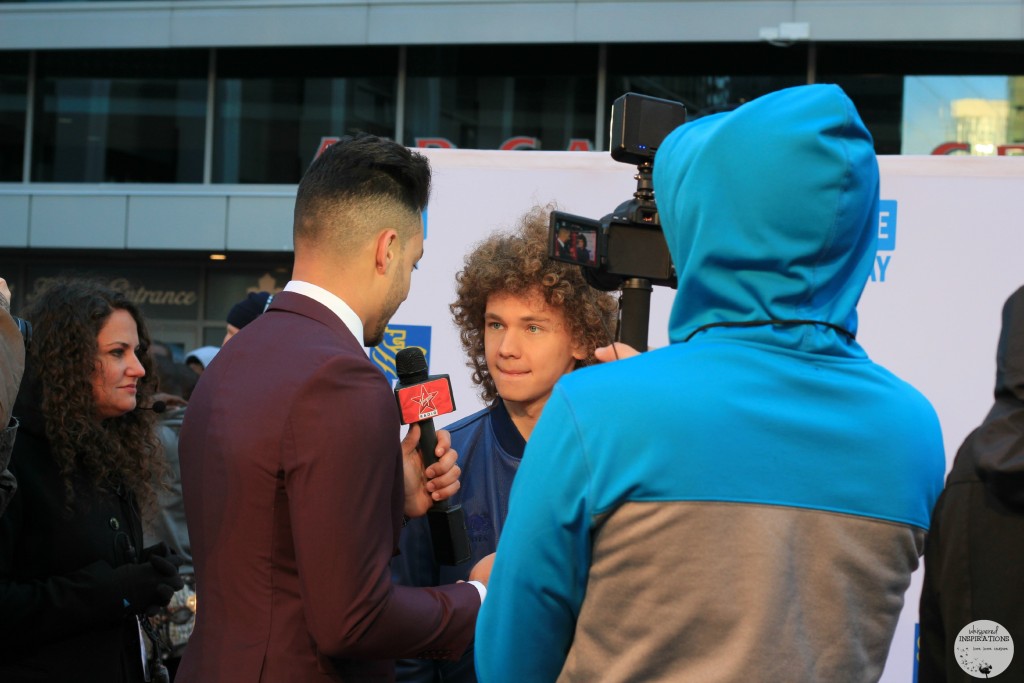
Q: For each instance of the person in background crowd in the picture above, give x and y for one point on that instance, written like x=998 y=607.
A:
x=582 y=252
x=294 y=476
x=74 y=575
x=176 y=380
x=973 y=557
x=524 y=320
x=169 y=526
x=173 y=622
x=245 y=311
x=175 y=385
x=12 y=365
x=199 y=359
x=562 y=239
x=749 y=502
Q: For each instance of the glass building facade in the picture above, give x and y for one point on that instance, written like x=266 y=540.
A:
x=259 y=115
x=178 y=119
x=104 y=116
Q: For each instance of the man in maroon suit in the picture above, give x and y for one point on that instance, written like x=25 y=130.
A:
x=294 y=478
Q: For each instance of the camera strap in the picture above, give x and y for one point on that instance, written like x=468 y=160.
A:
x=760 y=323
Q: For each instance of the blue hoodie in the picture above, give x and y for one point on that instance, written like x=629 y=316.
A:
x=749 y=502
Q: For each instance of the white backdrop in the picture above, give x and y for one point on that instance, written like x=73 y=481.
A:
x=931 y=313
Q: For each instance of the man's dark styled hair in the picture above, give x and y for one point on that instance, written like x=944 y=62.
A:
x=356 y=180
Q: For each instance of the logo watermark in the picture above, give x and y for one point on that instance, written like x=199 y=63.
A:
x=983 y=649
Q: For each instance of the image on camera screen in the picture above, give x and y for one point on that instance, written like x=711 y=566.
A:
x=574 y=243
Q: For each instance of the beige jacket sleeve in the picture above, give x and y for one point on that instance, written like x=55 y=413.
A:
x=12 y=364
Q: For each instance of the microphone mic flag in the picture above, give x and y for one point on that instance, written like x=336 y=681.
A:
x=421 y=398
x=426 y=400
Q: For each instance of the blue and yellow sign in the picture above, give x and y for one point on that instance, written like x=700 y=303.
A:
x=396 y=338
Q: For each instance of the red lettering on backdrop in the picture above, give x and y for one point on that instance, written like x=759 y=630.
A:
x=585 y=145
x=948 y=148
x=520 y=142
x=438 y=143
x=325 y=142
x=951 y=147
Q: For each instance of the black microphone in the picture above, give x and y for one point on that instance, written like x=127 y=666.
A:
x=157 y=407
x=421 y=398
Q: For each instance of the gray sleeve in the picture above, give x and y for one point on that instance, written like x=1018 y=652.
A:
x=168 y=524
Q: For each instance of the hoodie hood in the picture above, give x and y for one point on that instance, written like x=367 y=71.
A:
x=1010 y=353
x=770 y=213
x=998 y=444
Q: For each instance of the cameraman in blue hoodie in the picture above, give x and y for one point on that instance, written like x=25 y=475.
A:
x=749 y=502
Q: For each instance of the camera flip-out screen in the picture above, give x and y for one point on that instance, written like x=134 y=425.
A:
x=574 y=239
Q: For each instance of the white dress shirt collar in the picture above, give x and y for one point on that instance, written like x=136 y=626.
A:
x=331 y=301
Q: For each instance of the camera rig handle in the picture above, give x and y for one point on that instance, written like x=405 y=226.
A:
x=635 y=301
x=635 y=312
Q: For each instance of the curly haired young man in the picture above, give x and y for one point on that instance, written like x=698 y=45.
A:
x=524 y=321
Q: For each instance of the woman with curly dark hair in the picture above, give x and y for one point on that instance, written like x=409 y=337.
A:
x=524 y=320
x=74 y=577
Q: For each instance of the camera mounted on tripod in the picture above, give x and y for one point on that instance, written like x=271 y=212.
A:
x=626 y=248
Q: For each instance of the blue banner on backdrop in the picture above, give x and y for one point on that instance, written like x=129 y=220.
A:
x=396 y=338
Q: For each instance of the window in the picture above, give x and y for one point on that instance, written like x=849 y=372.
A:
x=120 y=116
x=275 y=107
x=705 y=78
x=977 y=115
x=13 y=103
x=502 y=97
x=890 y=82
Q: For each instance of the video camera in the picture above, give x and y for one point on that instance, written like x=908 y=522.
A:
x=626 y=248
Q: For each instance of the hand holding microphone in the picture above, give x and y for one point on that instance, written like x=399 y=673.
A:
x=421 y=397
x=426 y=484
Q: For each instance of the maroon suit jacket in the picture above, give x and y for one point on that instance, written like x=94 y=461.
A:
x=291 y=472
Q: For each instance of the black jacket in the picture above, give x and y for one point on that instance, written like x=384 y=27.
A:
x=62 y=612
x=975 y=549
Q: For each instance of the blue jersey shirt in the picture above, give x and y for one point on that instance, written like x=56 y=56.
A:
x=490 y=449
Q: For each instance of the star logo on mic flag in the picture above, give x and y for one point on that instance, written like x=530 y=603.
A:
x=423 y=400
x=426 y=401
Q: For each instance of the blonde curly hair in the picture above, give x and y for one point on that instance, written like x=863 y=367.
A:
x=517 y=263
